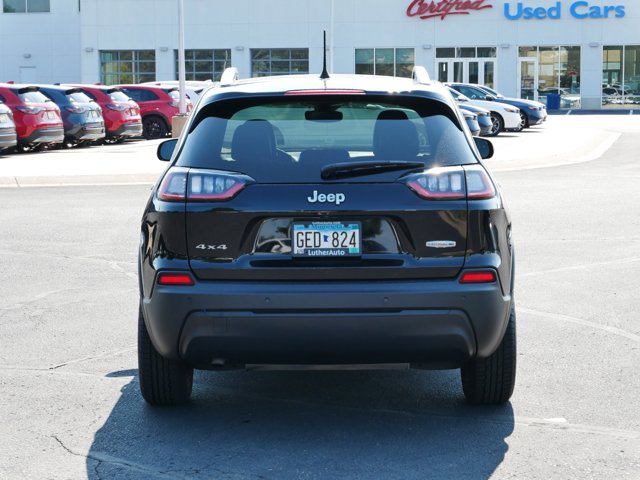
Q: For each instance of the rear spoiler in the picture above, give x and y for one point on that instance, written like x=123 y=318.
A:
x=30 y=88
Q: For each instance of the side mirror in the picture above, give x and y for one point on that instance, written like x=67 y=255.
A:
x=488 y=97
x=485 y=147
x=166 y=148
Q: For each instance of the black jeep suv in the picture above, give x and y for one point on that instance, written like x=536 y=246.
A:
x=326 y=222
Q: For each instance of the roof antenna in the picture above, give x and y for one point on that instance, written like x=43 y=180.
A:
x=324 y=75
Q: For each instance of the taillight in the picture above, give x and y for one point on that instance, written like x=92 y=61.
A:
x=452 y=183
x=167 y=278
x=479 y=185
x=200 y=185
x=29 y=110
x=73 y=109
x=115 y=106
x=478 y=276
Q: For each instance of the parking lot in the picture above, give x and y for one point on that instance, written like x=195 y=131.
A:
x=68 y=366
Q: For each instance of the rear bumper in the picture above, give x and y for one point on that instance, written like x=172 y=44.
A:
x=91 y=131
x=44 y=135
x=127 y=130
x=439 y=324
x=8 y=138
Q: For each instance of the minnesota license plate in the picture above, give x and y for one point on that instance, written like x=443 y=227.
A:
x=326 y=239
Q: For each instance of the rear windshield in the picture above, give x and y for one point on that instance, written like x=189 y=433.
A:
x=118 y=96
x=288 y=139
x=33 y=97
x=78 y=97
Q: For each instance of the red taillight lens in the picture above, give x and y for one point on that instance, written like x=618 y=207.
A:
x=175 y=279
x=200 y=185
x=452 y=183
x=174 y=186
x=29 y=110
x=478 y=276
x=117 y=107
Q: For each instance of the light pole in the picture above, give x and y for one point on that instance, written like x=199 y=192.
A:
x=181 y=72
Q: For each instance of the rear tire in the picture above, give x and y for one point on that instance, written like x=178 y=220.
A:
x=490 y=381
x=162 y=381
x=154 y=127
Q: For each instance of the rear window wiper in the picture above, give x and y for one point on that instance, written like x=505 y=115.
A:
x=356 y=169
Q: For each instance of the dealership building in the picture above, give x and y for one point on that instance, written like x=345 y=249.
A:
x=588 y=51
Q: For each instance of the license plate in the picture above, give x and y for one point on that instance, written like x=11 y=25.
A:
x=94 y=113
x=51 y=115
x=326 y=239
x=4 y=118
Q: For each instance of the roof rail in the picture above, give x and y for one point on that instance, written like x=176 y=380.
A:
x=420 y=74
x=229 y=76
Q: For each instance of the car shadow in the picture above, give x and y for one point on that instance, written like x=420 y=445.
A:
x=319 y=424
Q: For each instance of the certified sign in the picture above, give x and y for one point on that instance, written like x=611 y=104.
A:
x=429 y=9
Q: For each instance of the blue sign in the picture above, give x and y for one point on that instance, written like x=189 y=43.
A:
x=580 y=9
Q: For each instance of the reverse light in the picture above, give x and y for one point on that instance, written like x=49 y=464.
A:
x=452 y=183
x=175 y=279
x=446 y=183
x=478 y=276
x=200 y=185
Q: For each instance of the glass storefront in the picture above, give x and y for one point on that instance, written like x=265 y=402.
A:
x=550 y=75
x=621 y=76
x=467 y=65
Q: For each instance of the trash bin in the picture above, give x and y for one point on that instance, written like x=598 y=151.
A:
x=553 y=101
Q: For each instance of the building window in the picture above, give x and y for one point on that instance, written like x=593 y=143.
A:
x=557 y=73
x=26 y=6
x=466 y=52
x=127 y=66
x=279 y=61
x=204 y=64
x=621 y=76
x=392 y=62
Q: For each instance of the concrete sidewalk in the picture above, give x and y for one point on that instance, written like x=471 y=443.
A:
x=563 y=139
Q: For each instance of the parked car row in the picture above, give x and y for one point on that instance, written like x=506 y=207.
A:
x=505 y=114
x=34 y=117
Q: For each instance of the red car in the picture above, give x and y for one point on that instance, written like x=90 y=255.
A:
x=121 y=114
x=158 y=106
x=38 y=121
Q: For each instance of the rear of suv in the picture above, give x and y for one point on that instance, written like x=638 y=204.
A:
x=121 y=114
x=158 y=106
x=326 y=222
x=37 y=118
x=81 y=116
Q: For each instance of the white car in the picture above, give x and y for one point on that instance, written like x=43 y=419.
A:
x=193 y=88
x=503 y=116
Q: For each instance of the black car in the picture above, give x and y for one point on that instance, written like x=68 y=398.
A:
x=81 y=115
x=342 y=221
